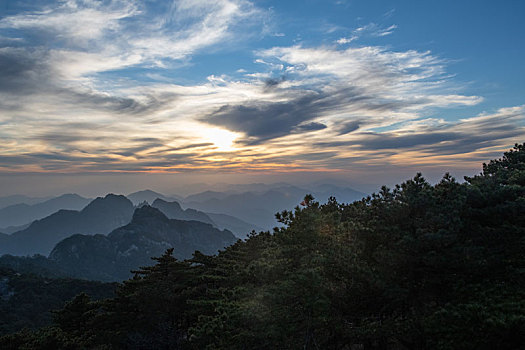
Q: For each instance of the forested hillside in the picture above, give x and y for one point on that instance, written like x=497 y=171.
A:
x=419 y=266
x=27 y=300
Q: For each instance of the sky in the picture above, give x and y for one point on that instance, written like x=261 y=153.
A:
x=123 y=94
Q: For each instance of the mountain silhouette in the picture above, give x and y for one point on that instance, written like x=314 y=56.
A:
x=173 y=210
x=12 y=229
x=22 y=213
x=149 y=234
x=207 y=195
x=259 y=208
x=18 y=199
x=239 y=227
x=100 y=216
x=148 y=196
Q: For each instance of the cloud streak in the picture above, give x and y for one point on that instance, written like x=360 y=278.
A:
x=369 y=30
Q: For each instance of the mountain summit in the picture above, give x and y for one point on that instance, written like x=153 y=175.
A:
x=150 y=233
x=173 y=210
x=100 y=216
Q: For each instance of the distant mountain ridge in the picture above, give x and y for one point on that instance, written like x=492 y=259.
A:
x=100 y=216
x=150 y=233
x=18 y=199
x=238 y=212
x=13 y=229
x=207 y=195
x=77 y=244
x=149 y=196
x=259 y=208
x=173 y=210
x=239 y=227
x=20 y=214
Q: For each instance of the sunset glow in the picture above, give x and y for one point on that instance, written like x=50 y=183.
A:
x=235 y=86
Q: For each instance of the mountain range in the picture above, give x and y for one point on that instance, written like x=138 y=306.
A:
x=110 y=236
x=173 y=210
x=150 y=196
x=22 y=213
x=149 y=234
x=18 y=199
x=36 y=228
x=205 y=221
x=100 y=216
x=239 y=227
x=259 y=208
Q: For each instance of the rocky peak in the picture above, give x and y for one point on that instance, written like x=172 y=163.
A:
x=160 y=203
x=109 y=202
x=146 y=214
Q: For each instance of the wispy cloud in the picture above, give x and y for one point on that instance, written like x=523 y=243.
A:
x=86 y=37
x=301 y=108
x=369 y=30
x=79 y=23
x=342 y=41
x=377 y=86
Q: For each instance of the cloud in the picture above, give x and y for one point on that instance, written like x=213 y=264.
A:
x=264 y=121
x=312 y=126
x=342 y=41
x=375 y=141
x=193 y=25
x=79 y=23
x=369 y=30
x=272 y=82
x=348 y=127
x=29 y=75
x=352 y=85
x=20 y=70
x=431 y=141
x=261 y=121
x=78 y=104
x=385 y=31
x=115 y=34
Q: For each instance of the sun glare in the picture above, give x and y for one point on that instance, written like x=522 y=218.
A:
x=221 y=138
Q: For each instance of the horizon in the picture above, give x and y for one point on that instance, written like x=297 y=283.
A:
x=118 y=96
x=96 y=185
